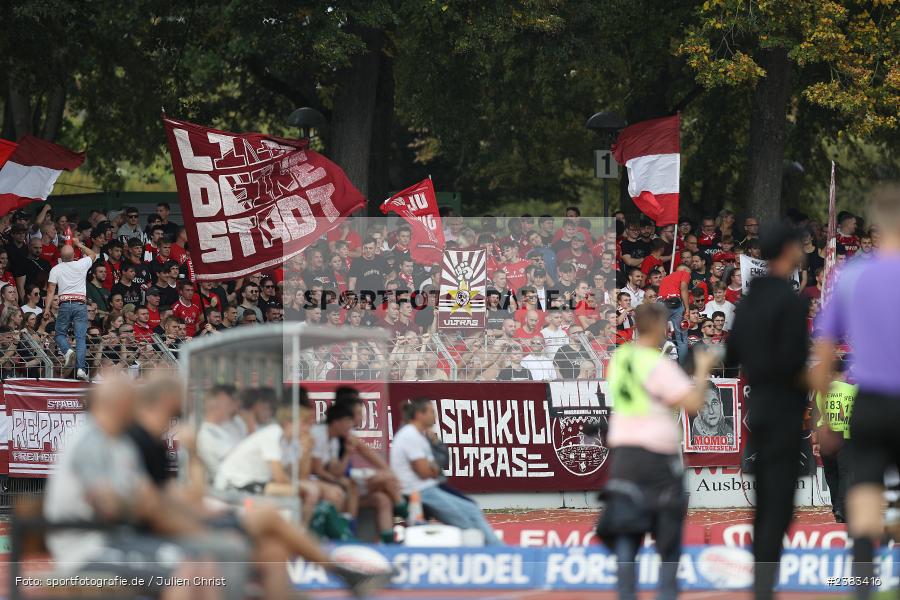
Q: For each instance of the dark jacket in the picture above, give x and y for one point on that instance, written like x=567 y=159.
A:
x=770 y=336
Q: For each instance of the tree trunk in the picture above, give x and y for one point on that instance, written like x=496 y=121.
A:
x=20 y=108
x=56 y=105
x=354 y=110
x=380 y=184
x=768 y=134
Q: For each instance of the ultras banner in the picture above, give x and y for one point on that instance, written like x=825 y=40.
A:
x=41 y=415
x=502 y=437
x=251 y=201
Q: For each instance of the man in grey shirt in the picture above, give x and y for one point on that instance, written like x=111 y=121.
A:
x=101 y=478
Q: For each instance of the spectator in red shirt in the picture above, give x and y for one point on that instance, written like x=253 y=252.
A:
x=113 y=264
x=814 y=292
x=654 y=260
x=847 y=242
x=673 y=292
x=5 y=275
x=529 y=301
x=49 y=249
x=735 y=286
x=153 y=299
x=186 y=310
x=143 y=331
x=531 y=326
x=578 y=255
x=151 y=248
x=346 y=234
x=512 y=265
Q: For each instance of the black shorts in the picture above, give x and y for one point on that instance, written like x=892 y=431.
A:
x=874 y=436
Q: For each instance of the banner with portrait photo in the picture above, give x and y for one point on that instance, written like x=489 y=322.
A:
x=463 y=290
x=716 y=428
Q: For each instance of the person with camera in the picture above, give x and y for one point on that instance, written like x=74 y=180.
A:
x=645 y=492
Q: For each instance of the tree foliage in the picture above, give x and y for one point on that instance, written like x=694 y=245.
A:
x=488 y=97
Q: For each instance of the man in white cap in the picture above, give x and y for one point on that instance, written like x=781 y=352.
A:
x=68 y=280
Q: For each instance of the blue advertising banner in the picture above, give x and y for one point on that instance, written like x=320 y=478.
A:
x=594 y=568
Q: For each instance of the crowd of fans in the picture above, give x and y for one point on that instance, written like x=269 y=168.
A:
x=560 y=293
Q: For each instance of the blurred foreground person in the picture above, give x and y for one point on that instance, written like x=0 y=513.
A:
x=862 y=313
x=645 y=492
x=100 y=477
x=770 y=340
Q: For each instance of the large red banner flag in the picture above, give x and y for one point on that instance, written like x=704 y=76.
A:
x=651 y=152
x=418 y=205
x=30 y=170
x=251 y=201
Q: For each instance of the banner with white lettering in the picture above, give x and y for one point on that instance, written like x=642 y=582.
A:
x=251 y=201
x=752 y=268
x=502 y=437
x=716 y=427
x=42 y=414
x=463 y=290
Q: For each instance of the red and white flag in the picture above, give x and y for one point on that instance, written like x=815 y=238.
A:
x=418 y=205
x=651 y=151
x=831 y=246
x=251 y=201
x=30 y=171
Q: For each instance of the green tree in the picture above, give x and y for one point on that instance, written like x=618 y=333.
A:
x=842 y=57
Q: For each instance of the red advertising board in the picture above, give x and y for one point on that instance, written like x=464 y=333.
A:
x=502 y=438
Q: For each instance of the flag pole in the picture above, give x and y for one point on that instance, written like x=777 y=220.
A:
x=674 y=248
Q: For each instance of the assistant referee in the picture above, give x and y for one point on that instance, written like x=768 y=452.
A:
x=863 y=311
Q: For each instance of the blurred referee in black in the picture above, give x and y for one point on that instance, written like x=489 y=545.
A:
x=770 y=340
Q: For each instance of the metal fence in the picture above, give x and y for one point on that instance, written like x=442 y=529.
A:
x=440 y=356
x=31 y=354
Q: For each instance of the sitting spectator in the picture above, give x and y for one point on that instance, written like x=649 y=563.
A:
x=538 y=363
x=514 y=370
x=412 y=459
x=257 y=463
x=569 y=359
x=554 y=336
x=100 y=477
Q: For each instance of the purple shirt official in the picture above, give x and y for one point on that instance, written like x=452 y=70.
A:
x=864 y=311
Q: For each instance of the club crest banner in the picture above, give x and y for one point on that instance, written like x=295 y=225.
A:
x=463 y=290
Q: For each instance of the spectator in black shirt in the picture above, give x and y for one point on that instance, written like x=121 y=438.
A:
x=699 y=273
x=166 y=283
x=634 y=249
x=36 y=270
x=514 y=371
x=568 y=359
x=268 y=295
x=135 y=256
x=368 y=272
x=17 y=249
x=171 y=229
x=129 y=289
